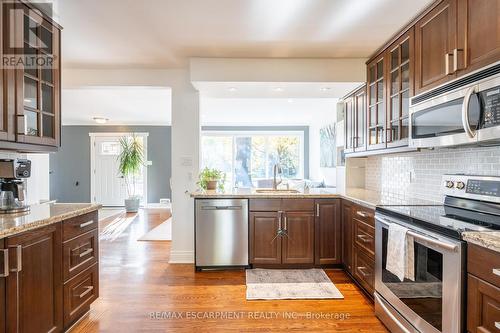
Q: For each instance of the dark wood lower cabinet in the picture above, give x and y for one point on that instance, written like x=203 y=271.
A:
x=298 y=243
x=483 y=306
x=328 y=230
x=265 y=245
x=34 y=286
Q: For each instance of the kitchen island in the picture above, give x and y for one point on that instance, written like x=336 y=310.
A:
x=49 y=266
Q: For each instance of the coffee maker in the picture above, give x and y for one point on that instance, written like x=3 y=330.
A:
x=13 y=173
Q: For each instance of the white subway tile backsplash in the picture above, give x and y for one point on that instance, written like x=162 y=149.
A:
x=418 y=174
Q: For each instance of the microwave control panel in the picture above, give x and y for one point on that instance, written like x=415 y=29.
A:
x=491 y=100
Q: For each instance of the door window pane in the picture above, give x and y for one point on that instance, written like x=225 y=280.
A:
x=405 y=76
x=373 y=116
x=395 y=107
x=31 y=123
x=395 y=58
x=30 y=54
x=373 y=94
x=405 y=103
x=394 y=82
x=46 y=38
x=30 y=93
x=380 y=93
x=380 y=69
x=47 y=75
x=405 y=51
x=47 y=98
x=48 y=126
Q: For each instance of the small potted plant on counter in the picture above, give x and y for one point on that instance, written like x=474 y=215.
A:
x=131 y=159
x=211 y=179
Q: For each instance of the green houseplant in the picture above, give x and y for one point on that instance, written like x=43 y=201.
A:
x=131 y=159
x=211 y=179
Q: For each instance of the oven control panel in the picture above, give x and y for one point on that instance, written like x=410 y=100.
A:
x=491 y=101
x=482 y=188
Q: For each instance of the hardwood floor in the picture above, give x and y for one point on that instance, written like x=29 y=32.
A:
x=141 y=292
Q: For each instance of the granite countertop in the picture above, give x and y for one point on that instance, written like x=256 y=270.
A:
x=361 y=196
x=487 y=239
x=41 y=215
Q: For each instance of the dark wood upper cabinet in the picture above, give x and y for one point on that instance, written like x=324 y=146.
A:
x=298 y=241
x=399 y=63
x=265 y=244
x=436 y=46
x=355 y=121
x=7 y=88
x=38 y=86
x=479 y=34
x=34 y=287
x=328 y=229
x=376 y=104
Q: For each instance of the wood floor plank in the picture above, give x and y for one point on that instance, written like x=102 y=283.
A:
x=142 y=292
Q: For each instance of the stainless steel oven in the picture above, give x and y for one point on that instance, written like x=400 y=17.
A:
x=462 y=112
x=433 y=301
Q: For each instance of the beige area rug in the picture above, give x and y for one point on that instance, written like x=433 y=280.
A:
x=160 y=233
x=269 y=284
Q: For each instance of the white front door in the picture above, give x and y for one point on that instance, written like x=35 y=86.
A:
x=109 y=186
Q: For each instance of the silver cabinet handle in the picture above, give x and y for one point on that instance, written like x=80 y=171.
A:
x=286 y=223
x=88 y=290
x=465 y=112
x=497 y=324
x=496 y=271
x=5 y=263
x=86 y=224
x=365 y=238
x=19 y=257
x=362 y=214
x=86 y=252
x=455 y=59
x=317 y=210
x=280 y=216
x=363 y=272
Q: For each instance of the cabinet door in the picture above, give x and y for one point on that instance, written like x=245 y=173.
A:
x=350 y=123
x=265 y=243
x=38 y=84
x=479 y=34
x=298 y=241
x=483 y=306
x=347 y=243
x=4 y=269
x=435 y=42
x=328 y=232
x=376 y=105
x=399 y=61
x=360 y=117
x=34 y=290
x=7 y=89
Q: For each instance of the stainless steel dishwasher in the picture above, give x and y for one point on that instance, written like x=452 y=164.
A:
x=221 y=233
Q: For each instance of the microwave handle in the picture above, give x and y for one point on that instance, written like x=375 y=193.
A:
x=465 y=112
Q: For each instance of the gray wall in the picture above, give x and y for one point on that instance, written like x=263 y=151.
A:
x=304 y=129
x=70 y=166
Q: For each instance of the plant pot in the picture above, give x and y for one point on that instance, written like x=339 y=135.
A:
x=132 y=205
x=212 y=185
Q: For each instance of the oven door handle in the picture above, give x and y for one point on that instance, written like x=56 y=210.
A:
x=465 y=113
x=431 y=240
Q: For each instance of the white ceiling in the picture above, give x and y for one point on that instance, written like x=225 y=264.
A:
x=165 y=33
x=121 y=105
x=275 y=89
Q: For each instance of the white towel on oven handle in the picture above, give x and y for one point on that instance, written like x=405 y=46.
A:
x=400 y=253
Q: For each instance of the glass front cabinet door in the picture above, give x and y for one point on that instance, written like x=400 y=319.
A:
x=38 y=109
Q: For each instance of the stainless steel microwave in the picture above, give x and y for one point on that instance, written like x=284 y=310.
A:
x=465 y=111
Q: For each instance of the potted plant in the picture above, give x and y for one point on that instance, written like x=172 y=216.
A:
x=131 y=159
x=211 y=179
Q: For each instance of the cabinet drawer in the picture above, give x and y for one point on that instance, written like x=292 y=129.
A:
x=265 y=205
x=364 y=271
x=79 y=293
x=484 y=263
x=364 y=214
x=80 y=224
x=364 y=237
x=483 y=306
x=80 y=253
x=297 y=205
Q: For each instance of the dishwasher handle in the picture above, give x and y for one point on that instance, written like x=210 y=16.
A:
x=221 y=207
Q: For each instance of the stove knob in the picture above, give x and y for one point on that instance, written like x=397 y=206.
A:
x=450 y=184
x=460 y=185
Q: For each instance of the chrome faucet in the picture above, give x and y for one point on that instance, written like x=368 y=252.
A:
x=277 y=170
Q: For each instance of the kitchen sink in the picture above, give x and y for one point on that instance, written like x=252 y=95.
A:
x=271 y=191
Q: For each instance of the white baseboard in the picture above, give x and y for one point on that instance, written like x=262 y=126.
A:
x=181 y=257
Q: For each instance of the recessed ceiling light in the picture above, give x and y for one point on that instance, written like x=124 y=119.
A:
x=232 y=89
x=290 y=100
x=325 y=88
x=100 y=120
x=278 y=89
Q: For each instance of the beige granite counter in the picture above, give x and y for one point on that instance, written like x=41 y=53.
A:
x=487 y=239
x=42 y=215
x=361 y=196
